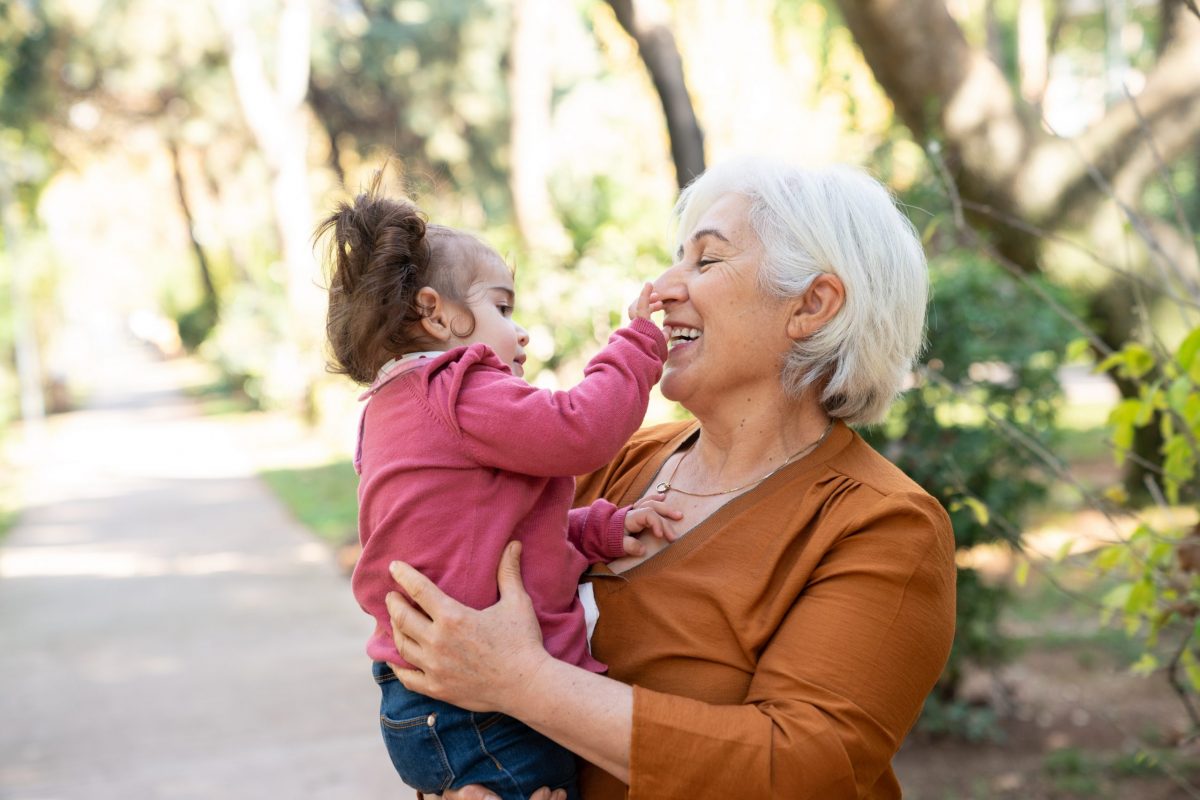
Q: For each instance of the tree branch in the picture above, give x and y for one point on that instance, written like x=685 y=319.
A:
x=994 y=146
x=1055 y=180
x=656 y=45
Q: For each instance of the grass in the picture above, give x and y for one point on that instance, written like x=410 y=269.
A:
x=9 y=508
x=1075 y=445
x=324 y=498
x=8 y=518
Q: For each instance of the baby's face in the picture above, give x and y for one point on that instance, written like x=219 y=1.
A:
x=490 y=301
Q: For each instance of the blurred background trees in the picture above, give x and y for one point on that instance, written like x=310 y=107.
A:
x=161 y=165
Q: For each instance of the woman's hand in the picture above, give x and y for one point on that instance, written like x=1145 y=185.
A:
x=646 y=304
x=477 y=660
x=477 y=792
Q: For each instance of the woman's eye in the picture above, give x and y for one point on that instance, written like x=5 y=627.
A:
x=706 y=262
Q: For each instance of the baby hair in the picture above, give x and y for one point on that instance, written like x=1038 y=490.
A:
x=381 y=253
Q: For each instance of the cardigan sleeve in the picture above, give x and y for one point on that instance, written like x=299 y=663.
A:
x=836 y=687
x=598 y=531
x=508 y=424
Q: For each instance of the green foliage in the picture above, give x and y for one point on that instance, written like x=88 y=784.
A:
x=249 y=340
x=1073 y=770
x=196 y=324
x=8 y=378
x=424 y=81
x=988 y=370
x=1157 y=566
x=27 y=41
x=1167 y=393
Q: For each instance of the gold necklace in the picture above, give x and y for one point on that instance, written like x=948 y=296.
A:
x=667 y=485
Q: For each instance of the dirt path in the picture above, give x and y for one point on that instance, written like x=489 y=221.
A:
x=167 y=630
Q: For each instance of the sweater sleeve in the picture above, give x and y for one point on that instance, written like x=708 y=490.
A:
x=508 y=424
x=835 y=689
x=598 y=531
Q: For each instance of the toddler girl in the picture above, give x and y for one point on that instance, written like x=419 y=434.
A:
x=457 y=456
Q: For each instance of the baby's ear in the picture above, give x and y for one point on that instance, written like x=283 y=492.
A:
x=434 y=319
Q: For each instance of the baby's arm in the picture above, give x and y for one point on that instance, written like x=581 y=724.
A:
x=507 y=423
x=599 y=531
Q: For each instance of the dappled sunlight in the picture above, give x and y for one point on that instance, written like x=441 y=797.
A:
x=1072 y=534
x=57 y=562
x=175 y=514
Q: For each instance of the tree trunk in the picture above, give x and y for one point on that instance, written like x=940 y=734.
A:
x=206 y=281
x=25 y=345
x=530 y=85
x=950 y=92
x=276 y=115
x=1033 y=51
x=645 y=21
x=1116 y=61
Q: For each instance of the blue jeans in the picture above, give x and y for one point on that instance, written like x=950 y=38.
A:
x=436 y=746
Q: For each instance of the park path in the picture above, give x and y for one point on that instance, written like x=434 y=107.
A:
x=166 y=629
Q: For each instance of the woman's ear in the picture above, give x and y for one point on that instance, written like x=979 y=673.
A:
x=820 y=303
x=435 y=315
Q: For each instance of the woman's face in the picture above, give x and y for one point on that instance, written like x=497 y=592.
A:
x=726 y=337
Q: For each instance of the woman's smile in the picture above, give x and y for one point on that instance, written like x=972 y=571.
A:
x=678 y=336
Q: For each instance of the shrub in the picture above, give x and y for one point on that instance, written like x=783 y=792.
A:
x=989 y=372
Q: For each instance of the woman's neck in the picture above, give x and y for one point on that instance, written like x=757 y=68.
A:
x=739 y=444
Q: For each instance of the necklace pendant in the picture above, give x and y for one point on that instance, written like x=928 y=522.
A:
x=663 y=488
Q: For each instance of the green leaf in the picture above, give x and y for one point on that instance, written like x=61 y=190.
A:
x=978 y=509
x=1138 y=360
x=1141 y=598
x=1117 y=495
x=1145 y=665
x=1022 y=574
x=1188 y=349
x=1114 y=360
x=1166 y=426
x=1147 y=403
x=1063 y=551
x=1110 y=557
x=1079 y=350
x=930 y=229
x=1124 y=412
x=1161 y=554
x=1118 y=596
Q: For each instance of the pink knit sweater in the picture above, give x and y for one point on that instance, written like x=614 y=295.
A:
x=457 y=457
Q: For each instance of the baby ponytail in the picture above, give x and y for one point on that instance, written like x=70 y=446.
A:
x=378 y=258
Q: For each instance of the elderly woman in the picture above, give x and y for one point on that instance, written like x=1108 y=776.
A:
x=783 y=644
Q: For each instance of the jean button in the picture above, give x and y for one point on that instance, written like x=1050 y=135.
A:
x=431 y=720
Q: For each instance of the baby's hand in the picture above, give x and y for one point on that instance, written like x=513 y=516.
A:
x=652 y=514
x=646 y=304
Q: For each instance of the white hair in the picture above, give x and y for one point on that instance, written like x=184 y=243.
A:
x=840 y=221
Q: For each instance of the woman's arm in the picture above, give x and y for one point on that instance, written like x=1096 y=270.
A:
x=493 y=660
x=833 y=694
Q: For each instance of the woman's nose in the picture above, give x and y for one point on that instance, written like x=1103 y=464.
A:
x=670 y=285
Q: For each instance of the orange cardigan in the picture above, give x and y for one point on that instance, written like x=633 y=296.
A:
x=784 y=647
